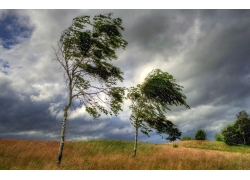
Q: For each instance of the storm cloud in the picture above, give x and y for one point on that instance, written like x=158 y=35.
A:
x=207 y=52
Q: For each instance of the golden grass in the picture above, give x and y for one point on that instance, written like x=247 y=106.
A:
x=114 y=155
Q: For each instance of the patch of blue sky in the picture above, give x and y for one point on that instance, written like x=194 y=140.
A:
x=4 y=66
x=14 y=30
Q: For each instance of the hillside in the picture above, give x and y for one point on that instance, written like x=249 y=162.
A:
x=112 y=154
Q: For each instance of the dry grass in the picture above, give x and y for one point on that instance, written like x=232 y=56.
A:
x=105 y=154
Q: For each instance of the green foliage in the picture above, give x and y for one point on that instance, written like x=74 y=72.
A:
x=147 y=107
x=239 y=132
x=242 y=115
x=175 y=145
x=148 y=113
x=200 y=135
x=85 y=55
x=218 y=146
x=218 y=137
x=161 y=87
x=231 y=136
x=186 y=138
x=174 y=134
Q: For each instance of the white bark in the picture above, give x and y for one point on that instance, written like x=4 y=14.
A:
x=136 y=138
x=64 y=125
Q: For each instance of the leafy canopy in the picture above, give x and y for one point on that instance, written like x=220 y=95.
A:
x=150 y=103
x=218 y=137
x=161 y=87
x=239 y=132
x=200 y=135
x=148 y=114
x=85 y=52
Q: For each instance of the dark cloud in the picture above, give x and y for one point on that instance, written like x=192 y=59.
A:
x=207 y=52
x=22 y=115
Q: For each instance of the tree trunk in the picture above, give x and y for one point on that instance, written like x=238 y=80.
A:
x=62 y=135
x=244 y=138
x=135 y=145
x=59 y=157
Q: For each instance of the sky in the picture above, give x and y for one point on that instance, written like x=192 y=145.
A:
x=206 y=51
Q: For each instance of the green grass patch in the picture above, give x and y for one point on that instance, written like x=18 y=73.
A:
x=216 y=145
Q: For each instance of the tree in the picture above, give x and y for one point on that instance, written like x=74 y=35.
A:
x=230 y=135
x=242 y=114
x=238 y=133
x=174 y=134
x=148 y=109
x=200 y=135
x=161 y=87
x=84 y=56
x=242 y=125
x=218 y=137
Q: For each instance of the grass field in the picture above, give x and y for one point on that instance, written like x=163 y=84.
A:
x=114 y=155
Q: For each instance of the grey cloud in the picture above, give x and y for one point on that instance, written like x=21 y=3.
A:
x=207 y=51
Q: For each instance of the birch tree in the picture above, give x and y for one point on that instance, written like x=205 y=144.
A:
x=149 y=103
x=85 y=52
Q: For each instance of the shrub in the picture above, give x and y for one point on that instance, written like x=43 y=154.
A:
x=218 y=137
x=200 y=135
x=186 y=138
x=175 y=145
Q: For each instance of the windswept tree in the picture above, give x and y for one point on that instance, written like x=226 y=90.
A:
x=149 y=103
x=85 y=52
x=174 y=134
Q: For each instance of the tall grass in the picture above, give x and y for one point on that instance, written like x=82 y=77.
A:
x=215 y=145
x=111 y=154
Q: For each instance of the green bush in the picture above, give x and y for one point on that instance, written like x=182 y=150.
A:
x=175 y=145
x=200 y=135
x=186 y=138
x=218 y=137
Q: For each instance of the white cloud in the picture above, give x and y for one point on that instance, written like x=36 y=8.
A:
x=56 y=110
x=32 y=74
x=46 y=91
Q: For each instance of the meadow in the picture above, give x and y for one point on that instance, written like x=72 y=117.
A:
x=117 y=155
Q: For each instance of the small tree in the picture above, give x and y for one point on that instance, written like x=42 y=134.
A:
x=200 y=135
x=148 y=109
x=85 y=56
x=218 y=137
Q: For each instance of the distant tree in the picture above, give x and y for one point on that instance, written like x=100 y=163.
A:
x=200 y=135
x=218 y=137
x=239 y=132
x=242 y=126
x=186 y=138
x=148 y=109
x=231 y=136
x=84 y=56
